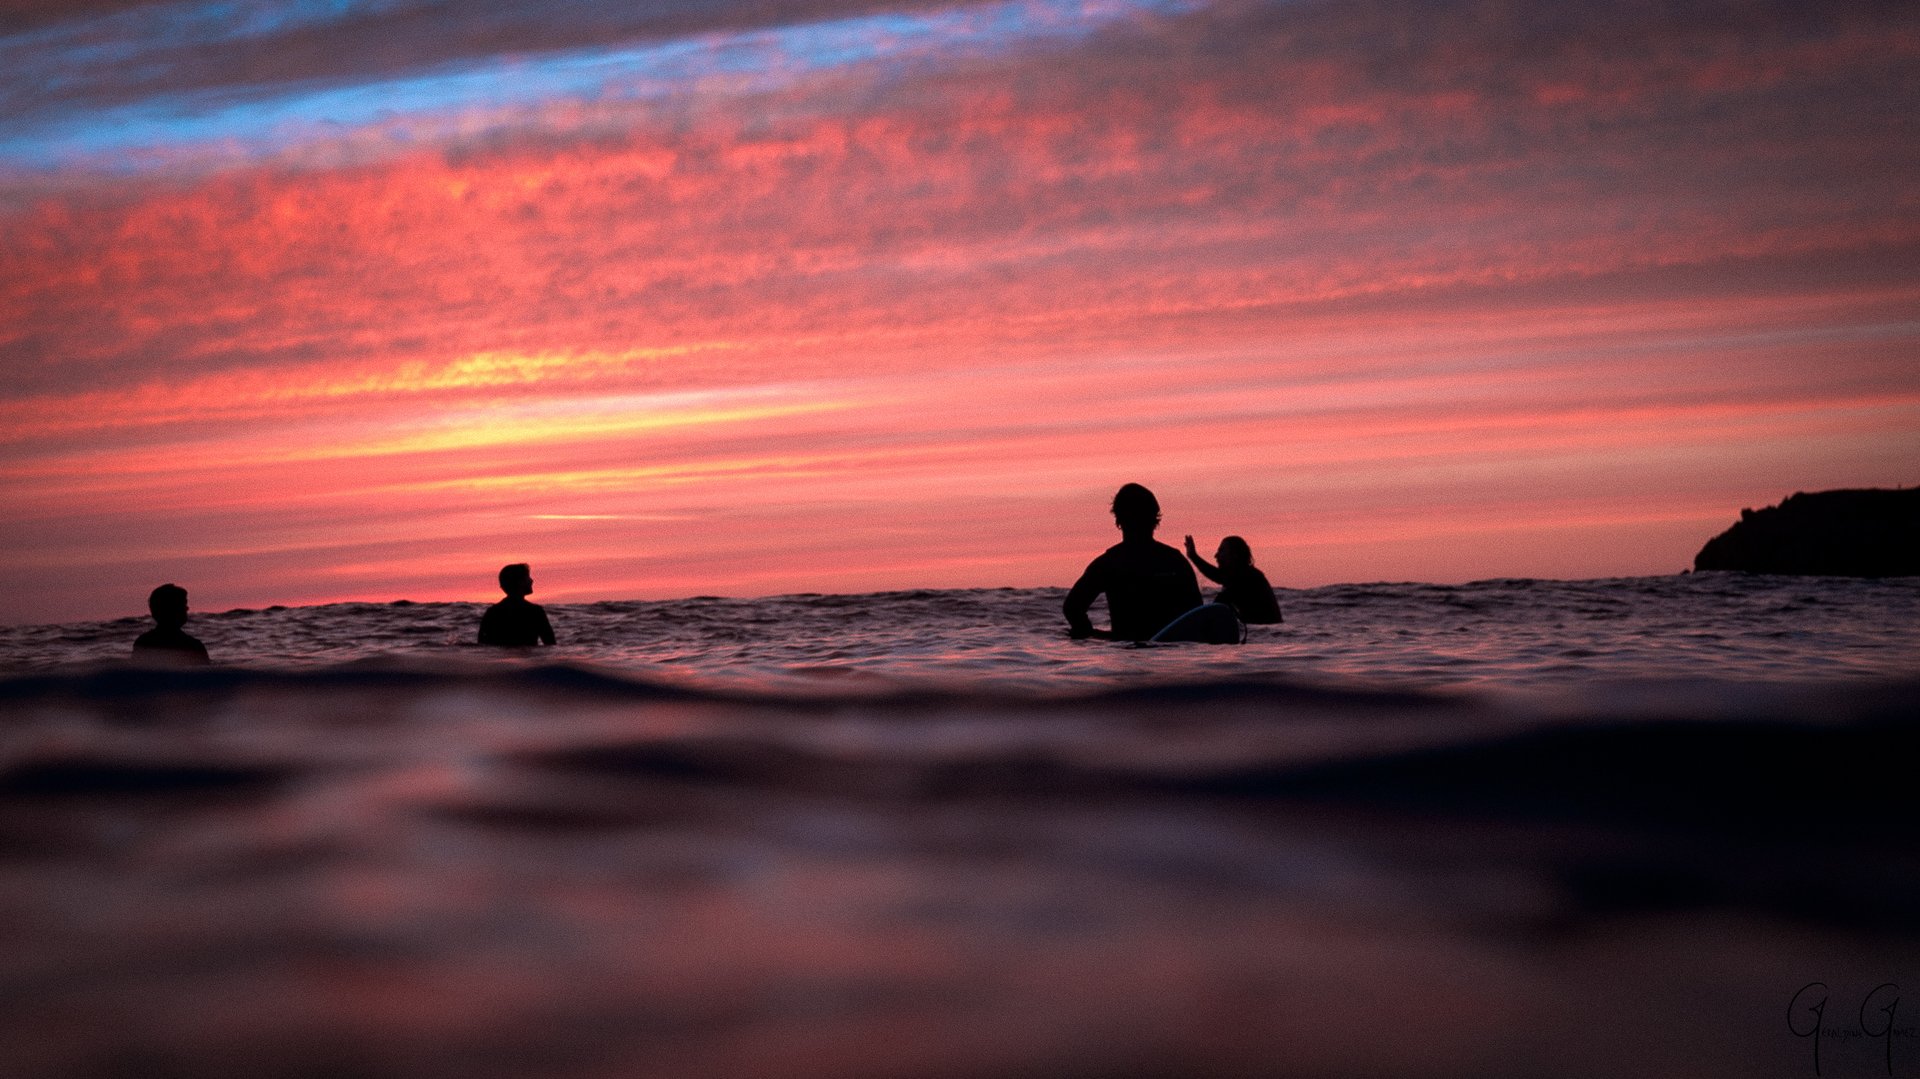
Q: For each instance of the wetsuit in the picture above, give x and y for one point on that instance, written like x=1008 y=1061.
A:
x=1147 y=584
x=1245 y=590
x=170 y=643
x=515 y=623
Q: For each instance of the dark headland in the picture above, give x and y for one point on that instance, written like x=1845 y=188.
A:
x=1855 y=533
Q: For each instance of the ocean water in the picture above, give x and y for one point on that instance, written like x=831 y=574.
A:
x=1509 y=828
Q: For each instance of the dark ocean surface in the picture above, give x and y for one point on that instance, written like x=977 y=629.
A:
x=1510 y=828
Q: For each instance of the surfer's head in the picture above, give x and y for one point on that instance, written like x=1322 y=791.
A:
x=1136 y=510
x=516 y=579
x=1233 y=551
x=169 y=606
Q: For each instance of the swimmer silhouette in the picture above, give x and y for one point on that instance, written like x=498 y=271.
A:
x=513 y=622
x=1242 y=587
x=166 y=641
x=1147 y=584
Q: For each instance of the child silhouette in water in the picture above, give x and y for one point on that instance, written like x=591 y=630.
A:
x=166 y=640
x=513 y=622
x=1242 y=587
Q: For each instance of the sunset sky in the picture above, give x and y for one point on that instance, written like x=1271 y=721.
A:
x=306 y=300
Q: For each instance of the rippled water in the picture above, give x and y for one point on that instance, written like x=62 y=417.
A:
x=1491 y=635
x=1510 y=828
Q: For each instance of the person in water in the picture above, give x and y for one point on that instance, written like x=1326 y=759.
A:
x=513 y=622
x=1147 y=584
x=166 y=641
x=1242 y=587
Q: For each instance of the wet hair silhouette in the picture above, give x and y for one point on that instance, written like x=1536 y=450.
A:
x=1135 y=509
x=513 y=622
x=167 y=641
x=1234 y=551
x=168 y=605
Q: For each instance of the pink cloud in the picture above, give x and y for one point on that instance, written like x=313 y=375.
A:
x=1326 y=283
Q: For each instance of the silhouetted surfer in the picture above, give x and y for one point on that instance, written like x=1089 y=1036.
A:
x=513 y=622
x=1242 y=587
x=1147 y=583
x=166 y=640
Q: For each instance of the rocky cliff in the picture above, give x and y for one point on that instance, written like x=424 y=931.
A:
x=1857 y=533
